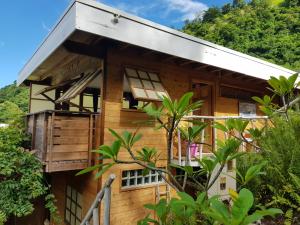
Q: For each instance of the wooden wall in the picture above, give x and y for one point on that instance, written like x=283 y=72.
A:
x=86 y=185
x=127 y=205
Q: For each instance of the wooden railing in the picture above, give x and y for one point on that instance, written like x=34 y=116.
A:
x=62 y=140
x=93 y=212
x=208 y=138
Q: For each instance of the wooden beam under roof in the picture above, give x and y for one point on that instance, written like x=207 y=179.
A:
x=186 y=62
x=203 y=66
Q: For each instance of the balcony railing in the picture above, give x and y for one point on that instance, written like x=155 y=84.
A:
x=208 y=138
x=62 y=140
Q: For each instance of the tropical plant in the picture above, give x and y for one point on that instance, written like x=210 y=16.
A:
x=186 y=210
x=169 y=115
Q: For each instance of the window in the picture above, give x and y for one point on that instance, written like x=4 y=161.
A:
x=135 y=178
x=79 y=86
x=144 y=86
x=73 y=207
x=223 y=183
x=230 y=166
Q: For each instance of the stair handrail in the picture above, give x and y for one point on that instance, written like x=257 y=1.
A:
x=94 y=209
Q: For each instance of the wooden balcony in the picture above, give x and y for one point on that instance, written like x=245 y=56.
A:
x=209 y=136
x=63 y=140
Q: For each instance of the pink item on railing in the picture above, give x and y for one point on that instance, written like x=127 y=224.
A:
x=194 y=150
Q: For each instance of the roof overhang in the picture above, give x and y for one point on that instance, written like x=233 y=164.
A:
x=95 y=18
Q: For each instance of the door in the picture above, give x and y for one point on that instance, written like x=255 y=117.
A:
x=204 y=92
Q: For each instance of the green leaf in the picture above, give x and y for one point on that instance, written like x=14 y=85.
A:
x=115 y=148
x=89 y=169
x=242 y=205
x=103 y=170
x=220 y=126
x=184 y=101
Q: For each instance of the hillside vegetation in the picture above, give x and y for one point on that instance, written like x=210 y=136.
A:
x=13 y=102
x=265 y=29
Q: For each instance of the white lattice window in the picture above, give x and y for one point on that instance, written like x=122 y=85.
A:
x=135 y=178
x=73 y=207
x=145 y=86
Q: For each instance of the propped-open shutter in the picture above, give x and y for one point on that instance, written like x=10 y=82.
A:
x=79 y=86
x=145 y=86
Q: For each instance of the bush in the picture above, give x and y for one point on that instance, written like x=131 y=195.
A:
x=21 y=176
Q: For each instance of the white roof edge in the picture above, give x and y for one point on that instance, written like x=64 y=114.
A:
x=49 y=45
x=112 y=10
x=23 y=74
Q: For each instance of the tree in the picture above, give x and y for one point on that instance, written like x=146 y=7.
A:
x=21 y=176
x=9 y=112
x=267 y=29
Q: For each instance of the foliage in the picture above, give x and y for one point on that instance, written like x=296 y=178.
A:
x=21 y=176
x=278 y=146
x=262 y=28
x=212 y=210
x=16 y=95
x=9 y=112
x=169 y=115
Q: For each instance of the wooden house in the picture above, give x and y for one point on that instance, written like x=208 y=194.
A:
x=90 y=72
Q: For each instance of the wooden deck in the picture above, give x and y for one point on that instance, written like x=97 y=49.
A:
x=62 y=140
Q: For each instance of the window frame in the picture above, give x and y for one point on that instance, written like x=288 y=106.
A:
x=141 y=79
x=69 y=208
x=137 y=176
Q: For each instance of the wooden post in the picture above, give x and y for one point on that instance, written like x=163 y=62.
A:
x=202 y=140
x=33 y=132
x=90 y=140
x=51 y=142
x=107 y=198
x=179 y=148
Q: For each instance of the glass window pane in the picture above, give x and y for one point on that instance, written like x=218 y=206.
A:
x=132 y=181
x=154 y=76
x=147 y=84
x=73 y=194
x=152 y=94
x=78 y=212
x=139 y=181
x=139 y=93
x=143 y=75
x=140 y=172
x=68 y=203
x=124 y=174
x=131 y=72
x=73 y=207
x=69 y=191
x=68 y=215
x=135 y=83
x=158 y=86
x=153 y=179
x=79 y=199
x=72 y=220
x=146 y=180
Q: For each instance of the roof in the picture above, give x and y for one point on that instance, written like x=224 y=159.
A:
x=96 y=18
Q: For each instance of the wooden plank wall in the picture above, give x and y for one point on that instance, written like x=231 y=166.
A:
x=86 y=185
x=127 y=206
x=70 y=138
